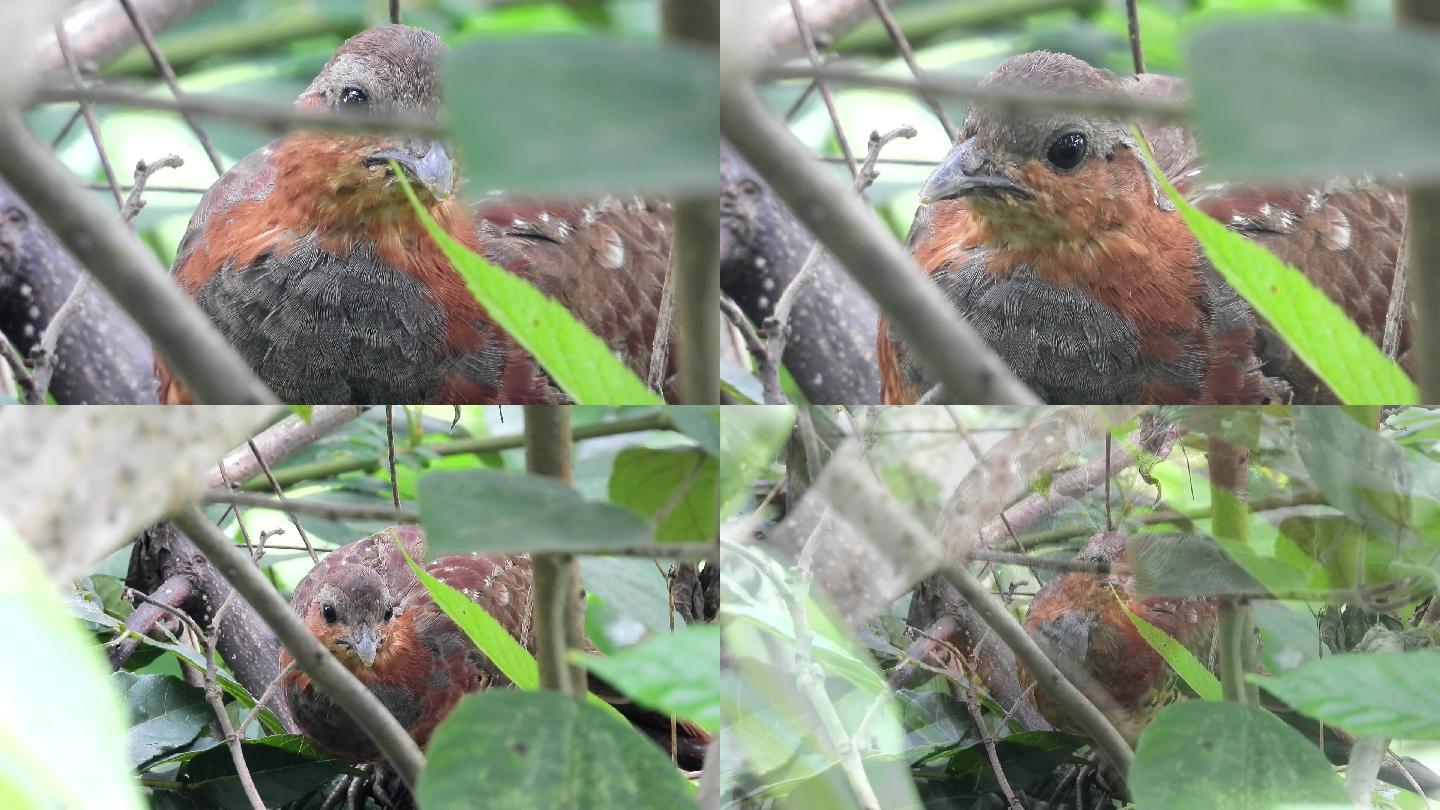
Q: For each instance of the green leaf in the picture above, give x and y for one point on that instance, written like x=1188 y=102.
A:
x=487 y=634
x=1358 y=693
x=1202 y=755
x=544 y=749
x=1289 y=99
x=632 y=588
x=585 y=114
x=302 y=411
x=60 y=717
x=494 y=510
x=674 y=485
x=674 y=673
x=1200 y=679
x=750 y=436
x=165 y=713
x=578 y=361
x=1319 y=332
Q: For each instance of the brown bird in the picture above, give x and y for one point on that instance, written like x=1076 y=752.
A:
x=368 y=608
x=308 y=258
x=1051 y=237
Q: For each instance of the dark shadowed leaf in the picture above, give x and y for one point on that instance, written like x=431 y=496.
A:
x=543 y=749
x=584 y=115
x=1202 y=755
x=699 y=422
x=675 y=673
x=1292 y=98
x=491 y=510
x=285 y=767
x=674 y=486
x=1359 y=693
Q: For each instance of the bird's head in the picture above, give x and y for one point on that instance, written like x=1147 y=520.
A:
x=392 y=71
x=1033 y=177
x=352 y=614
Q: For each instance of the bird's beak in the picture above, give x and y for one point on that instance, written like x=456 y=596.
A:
x=365 y=643
x=964 y=172
x=426 y=162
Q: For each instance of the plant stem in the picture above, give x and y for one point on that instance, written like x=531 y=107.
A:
x=558 y=609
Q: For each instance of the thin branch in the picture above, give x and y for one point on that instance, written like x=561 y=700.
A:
x=987 y=737
x=558 y=610
x=280 y=493
x=353 y=697
x=185 y=189
x=660 y=346
x=265 y=116
x=807 y=39
x=390 y=436
x=168 y=74
x=1395 y=309
x=944 y=342
x=656 y=420
x=1137 y=54
x=882 y=10
x=127 y=269
x=320 y=509
x=777 y=326
x=134 y=202
x=283 y=439
x=395 y=12
x=1004 y=100
x=64 y=43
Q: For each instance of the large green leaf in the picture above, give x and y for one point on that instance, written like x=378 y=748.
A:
x=492 y=510
x=1315 y=327
x=578 y=361
x=60 y=716
x=1202 y=755
x=1303 y=98
x=1385 y=695
x=580 y=115
x=675 y=673
x=544 y=749
x=674 y=486
x=632 y=588
x=165 y=713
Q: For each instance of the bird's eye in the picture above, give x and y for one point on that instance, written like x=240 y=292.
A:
x=329 y=612
x=353 y=95
x=389 y=613
x=1067 y=151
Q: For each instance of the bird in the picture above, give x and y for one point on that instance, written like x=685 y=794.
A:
x=1078 y=620
x=1049 y=234
x=308 y=259
x=368 y=608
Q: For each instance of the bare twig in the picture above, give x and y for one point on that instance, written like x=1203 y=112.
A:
x=127 y=269
x=737 y=318
x=1137 y=54
x=64 y=43
x=390 y=448
x=353 y=697
x=1395 y=310
x=395 y=11
x=882 y=9
x=320 y=509
x=807 y=39
x=777 y=326
x=282 y=440
x=134 y=202
x=828 y=18
x=168 y=74
x=1002 y=99
x=280 y=493
x=949 y=347
x=190 y=189
x=987 y=737
x=660 y=346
